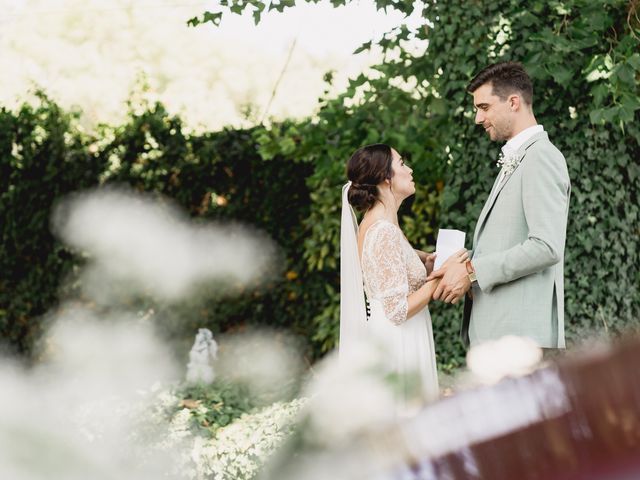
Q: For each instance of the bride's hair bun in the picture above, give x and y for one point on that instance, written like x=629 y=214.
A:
x=367 y=168
x=362 y=197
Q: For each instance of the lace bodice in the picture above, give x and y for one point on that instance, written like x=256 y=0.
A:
x=391 y=269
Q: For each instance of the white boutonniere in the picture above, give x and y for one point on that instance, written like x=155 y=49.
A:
x=508 y=162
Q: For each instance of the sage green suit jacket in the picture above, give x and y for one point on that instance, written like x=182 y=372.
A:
x=518 y=251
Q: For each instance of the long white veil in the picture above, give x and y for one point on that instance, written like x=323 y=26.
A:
x=353 y=312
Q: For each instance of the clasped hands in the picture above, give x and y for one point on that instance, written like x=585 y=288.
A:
x=454 y=279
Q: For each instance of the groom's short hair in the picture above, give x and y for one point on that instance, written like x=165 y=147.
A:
x=505 y=78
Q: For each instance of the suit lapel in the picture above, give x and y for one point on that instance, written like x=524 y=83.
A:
x=522 y=151
x=485 y=210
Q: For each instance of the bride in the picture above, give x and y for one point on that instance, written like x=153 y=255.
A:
x=377 y=254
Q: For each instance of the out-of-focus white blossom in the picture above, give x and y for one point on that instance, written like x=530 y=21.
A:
x=348 y=398
x=136 y=244
x=267 y=364
x=510 y=355
x=82 y=412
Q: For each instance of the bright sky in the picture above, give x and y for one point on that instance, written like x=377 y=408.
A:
x=89 y=53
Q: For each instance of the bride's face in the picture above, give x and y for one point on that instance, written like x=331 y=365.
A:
x=402 y=181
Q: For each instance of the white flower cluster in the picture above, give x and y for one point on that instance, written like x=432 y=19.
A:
x=239 y=450
x=508 y=162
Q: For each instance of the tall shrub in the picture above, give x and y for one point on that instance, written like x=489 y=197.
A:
x=43 y=156
x=215 y=176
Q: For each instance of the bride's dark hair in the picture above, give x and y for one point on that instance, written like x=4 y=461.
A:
x=366 y=169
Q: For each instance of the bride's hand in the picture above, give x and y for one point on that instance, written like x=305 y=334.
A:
x=429 y=261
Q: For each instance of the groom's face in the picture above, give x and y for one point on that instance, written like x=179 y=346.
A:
x=493 y=114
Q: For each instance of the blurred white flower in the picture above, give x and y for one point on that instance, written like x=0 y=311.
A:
x=350 y=397
x=82 y=413
x=140 y=245
x=267 y=363
x=510 y=355
x=93 y=357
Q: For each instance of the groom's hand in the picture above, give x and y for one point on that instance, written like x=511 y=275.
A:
x=455 y=280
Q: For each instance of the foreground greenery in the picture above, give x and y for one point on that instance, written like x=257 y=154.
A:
x=215 y=431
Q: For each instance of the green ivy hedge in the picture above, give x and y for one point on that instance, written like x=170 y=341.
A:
x=42 y=157
x=215 y=176
x=584 y=57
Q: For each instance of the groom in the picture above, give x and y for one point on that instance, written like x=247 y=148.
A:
x=514 y=278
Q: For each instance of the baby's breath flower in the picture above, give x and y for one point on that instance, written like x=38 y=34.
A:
x=508 y=162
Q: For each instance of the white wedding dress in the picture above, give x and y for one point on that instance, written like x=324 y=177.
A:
x=391 y=270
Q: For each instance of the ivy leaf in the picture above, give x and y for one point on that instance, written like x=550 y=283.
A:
x=625 y=114
x=626 y=74
x=561 y=74
x=609 y=114
x=213 y=17
x=363 y=47
x=599 y=93
x=596 y=116
x=281 y=5
x=634 y=61
x=628 y=107
x=631 y=101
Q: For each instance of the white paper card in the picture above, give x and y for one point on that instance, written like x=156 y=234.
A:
x=448 y=243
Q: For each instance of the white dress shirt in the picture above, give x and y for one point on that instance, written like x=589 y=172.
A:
x=512 y=146
x=517 y=141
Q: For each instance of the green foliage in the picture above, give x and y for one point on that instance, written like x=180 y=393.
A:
x=216 y=405
x=214 y=176
x=591 y=118
x=40 y=161
x=256 y=7
x=583 y=56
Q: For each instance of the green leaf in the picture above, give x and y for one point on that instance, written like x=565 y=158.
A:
x=561 y=74
x=193 y=22
x=630 y=101
x=599 y=93
x=213 y=17
x=596 y=116
x=610 y=114
x=627 y=112
x=364 y=47
x=626 y=74
x=634 y=61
